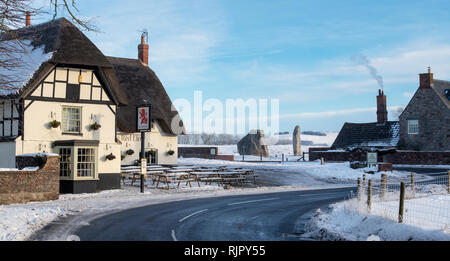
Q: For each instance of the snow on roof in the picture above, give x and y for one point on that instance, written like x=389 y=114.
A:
x=31 y=59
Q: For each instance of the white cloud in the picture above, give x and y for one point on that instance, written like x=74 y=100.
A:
x=328 y=114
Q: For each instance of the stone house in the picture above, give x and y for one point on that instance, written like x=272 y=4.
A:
x=69 y=98
x=425 y=122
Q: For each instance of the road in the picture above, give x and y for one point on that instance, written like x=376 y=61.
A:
x=266 y=217
x=274 y=217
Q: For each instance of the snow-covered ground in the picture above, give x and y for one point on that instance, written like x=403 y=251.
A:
x=20 y=221
x=305 y=174
x=349 y=220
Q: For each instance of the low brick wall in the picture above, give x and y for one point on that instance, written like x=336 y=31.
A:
x=394 y=157
x=197 y=152
x=418 y=157
x=26 y=186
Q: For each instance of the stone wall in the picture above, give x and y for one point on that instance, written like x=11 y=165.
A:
x=26 y=186
x=434 y=123
x=197 y=152
x=394 y=157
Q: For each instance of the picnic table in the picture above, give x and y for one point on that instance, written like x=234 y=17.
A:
x=174 y=177
x=178 y=170
x=133 y=171
x=206 y=177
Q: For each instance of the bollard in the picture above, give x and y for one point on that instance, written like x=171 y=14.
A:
x=402 y=202
x=369 y=196
x=359 y=189
x=260 y=156
x=282 y=157
x=383 y=185
x=322 y=161
x=412 y=183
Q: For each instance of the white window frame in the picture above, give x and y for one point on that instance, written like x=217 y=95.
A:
x=63 y=123
x=74 y=162
x=413 y=126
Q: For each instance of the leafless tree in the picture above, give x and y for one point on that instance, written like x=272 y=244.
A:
x=12 y=49
x=12 y=16
x=70 y=7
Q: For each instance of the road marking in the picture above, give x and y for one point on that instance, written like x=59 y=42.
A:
x=173 y=235
x=251 y=201
x=317 y=194
x=186 y=217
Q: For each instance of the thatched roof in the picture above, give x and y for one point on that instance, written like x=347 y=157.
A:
x=68 y=46
x=129 y=81
x=140 y=83
x=371 y=134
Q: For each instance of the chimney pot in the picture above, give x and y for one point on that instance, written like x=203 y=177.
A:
x=27 y=19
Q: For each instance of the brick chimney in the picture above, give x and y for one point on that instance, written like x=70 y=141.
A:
x=426 y=79
x=382 y=114
x=27 y=19
x=143 y=50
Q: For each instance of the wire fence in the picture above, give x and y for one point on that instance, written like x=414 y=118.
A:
x=425 y=204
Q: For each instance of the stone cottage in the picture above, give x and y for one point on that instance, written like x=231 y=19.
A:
x=379 y=134
x=425 y=122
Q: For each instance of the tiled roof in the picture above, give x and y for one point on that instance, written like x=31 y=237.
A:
x=367 y=135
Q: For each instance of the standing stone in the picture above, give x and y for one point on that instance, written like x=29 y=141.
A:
x=253 y=144
x=296 y=141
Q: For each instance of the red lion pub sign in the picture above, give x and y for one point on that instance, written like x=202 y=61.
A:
x=143 y=118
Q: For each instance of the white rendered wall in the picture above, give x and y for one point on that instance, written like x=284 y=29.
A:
x=156 y=139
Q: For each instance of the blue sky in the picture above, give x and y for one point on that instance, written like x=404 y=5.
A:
x=296 y=51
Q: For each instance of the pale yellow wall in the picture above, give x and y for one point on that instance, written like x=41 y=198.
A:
x=40 y=113
x=72 y=76
x=39 y=136
x=156 y=139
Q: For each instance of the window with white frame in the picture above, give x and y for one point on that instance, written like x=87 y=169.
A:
x=86 y=162
x=77 y=162
x=413 y=126
x=71 y=119
x=65 y=162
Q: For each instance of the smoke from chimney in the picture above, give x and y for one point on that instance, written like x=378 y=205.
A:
x=363 y=60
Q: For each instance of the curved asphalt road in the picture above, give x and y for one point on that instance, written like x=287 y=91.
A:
x=271 y=217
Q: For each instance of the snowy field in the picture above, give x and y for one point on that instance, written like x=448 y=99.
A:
x=304 y=174
x=349 y=220
x=276 y=151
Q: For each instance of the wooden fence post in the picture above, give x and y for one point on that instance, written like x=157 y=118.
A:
x=383 y=185
x=359 y=189
x=402 y=202
x=412 y=183
x=448 y=181
x=282 y=157
x=364 y=180
x=369 y=196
